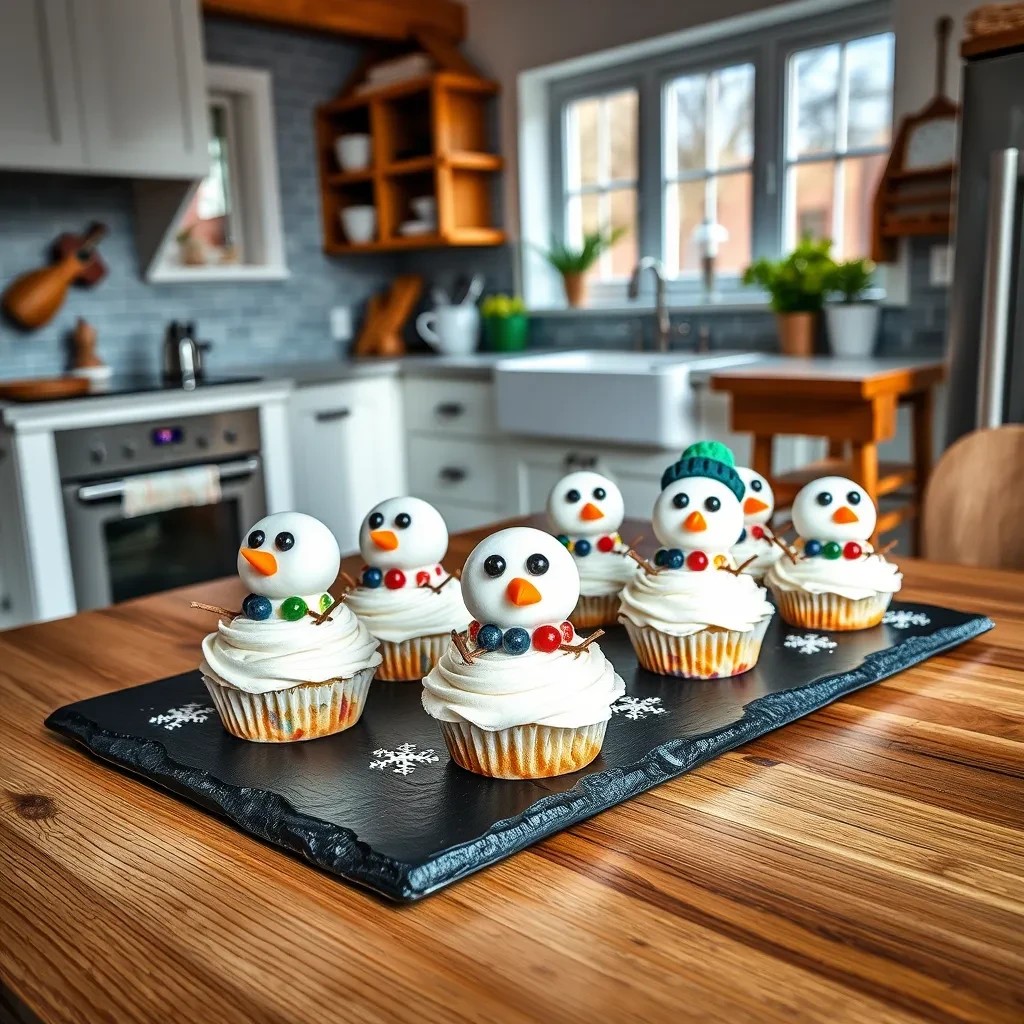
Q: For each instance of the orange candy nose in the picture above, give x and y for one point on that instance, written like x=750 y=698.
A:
x=262 y=561
x=591 y=511
x=844 y=514
x=752 y=506
x=694 y=522
x=522 y=592
x=384 y=539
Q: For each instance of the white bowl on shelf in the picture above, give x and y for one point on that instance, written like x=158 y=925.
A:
x=353 y=151
x=414 y=228
x=359 y=223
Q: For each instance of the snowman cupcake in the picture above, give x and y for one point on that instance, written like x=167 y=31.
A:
x=835 y=581
x=754 y=551
x=525 y=697
x=586 y=511
x=691 y=614
x=405 y=597
x=293 y=665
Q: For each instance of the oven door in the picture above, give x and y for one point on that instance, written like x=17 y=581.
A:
x=114 y=559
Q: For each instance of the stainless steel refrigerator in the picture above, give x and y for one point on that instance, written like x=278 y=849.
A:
x=986 y=315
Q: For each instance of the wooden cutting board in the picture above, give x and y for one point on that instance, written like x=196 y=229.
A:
x=43 y=389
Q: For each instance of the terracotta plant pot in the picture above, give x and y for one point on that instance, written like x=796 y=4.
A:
x=575 y=289
x=796 y=333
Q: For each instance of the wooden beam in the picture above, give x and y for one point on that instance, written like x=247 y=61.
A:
x=370 y=19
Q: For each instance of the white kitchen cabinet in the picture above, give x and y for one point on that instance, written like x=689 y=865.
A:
x=346 y=441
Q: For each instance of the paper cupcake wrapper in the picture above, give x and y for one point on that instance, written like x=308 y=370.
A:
x=304 y=712
x=830 y=612
x=523 y=751
x=708 y=654
x=411 y=659
x=594 y=611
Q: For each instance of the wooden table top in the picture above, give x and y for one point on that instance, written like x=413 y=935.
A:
x=863 y=864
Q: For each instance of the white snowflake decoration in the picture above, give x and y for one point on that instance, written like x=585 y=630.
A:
x=903 y=619
x=187 y=714
x=810 y=643
x=403 y=760
x=638 y=707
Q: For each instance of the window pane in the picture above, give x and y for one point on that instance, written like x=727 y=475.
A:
x=734 y=115
x=684 y=211
x=687 y=126
x=869 y=74
x=582 y=142
x=814 y=80
x=622 y=212
x=812 y=200
x=860 y=179
x=735 y=214
x=622 y=135
x=590 y=215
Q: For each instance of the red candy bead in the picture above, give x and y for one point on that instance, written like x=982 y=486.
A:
x=852 y=549
x=546 y=638
x=422 y=578
x=438 y=570
x=697 y=561
x=757 y=532
x=605 y=544
x=474 y=628
x=567 y=632
x=394 y=579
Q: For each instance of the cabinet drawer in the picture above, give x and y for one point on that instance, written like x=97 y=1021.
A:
x=455 y=470
x=456 y=407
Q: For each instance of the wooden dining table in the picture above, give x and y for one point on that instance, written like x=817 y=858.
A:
x=864 y=864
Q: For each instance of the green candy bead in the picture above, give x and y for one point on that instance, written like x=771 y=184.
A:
x=325 y=602
x=831 y=550
x=293 y=608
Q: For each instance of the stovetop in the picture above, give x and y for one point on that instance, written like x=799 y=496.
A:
x=140 y=384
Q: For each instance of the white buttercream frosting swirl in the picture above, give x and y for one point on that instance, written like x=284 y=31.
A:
x=604 y=572
x=764 y=553
x=398 y=615
x=680 y=602
x=500 y=691
x=852 y=578
x=258 y=657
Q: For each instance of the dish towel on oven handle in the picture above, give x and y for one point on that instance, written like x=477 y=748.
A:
x=172 y=488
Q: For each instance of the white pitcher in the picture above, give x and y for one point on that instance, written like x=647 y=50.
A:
x=452 y=330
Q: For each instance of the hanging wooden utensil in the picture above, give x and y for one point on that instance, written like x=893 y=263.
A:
x=33 y=299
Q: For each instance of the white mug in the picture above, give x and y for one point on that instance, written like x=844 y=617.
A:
x=359 y=223
x=353 y=152
x=452 y=330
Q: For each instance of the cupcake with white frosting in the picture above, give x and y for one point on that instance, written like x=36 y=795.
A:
x=405 y=597
x=835 y=580
x=525 y=697
x=586 y=511
x=293 y=665
x=755 y=551
x=692 y=614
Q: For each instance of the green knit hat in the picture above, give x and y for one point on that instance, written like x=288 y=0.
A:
x=710 y=459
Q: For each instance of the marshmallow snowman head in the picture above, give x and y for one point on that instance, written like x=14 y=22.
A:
x=520 y=577
x=834 y=508
x=758 y=497
x=585 y=504
x=288 y=554
x=403 y=533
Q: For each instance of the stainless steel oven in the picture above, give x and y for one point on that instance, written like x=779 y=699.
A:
x=115 y=557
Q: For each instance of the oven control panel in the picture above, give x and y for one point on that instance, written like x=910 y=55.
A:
x=152 y=445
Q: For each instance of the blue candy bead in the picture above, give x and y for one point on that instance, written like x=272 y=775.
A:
x=372 y=578
x=660 y=556
x=489 y=637
x=675 y=559
x=563 y=540
x=581 y=547
x=516 y=640
x=743 y=536
x=257 y=607
x=812 y=548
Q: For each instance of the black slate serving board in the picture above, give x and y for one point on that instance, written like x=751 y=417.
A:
x=381 y=805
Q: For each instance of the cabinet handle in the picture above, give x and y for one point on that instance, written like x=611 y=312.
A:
x=453 y=474
x=330 y=415
x=449 y=410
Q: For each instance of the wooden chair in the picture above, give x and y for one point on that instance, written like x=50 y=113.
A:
x=974 y=502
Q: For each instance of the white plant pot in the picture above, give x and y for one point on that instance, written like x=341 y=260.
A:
x=353 y=152
x=359 y=223
x=852 y=328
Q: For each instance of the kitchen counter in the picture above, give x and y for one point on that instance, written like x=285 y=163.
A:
x=864 y=863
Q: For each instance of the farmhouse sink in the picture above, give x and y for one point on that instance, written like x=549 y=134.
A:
x=633 y=398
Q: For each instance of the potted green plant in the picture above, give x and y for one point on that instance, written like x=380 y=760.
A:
x=505 y=323
x=852 y=320
x=796 y=285
x=573 y=262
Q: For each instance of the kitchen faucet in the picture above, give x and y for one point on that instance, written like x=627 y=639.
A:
x=660 y=307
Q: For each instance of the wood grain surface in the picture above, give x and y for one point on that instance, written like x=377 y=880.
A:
x=863 y=864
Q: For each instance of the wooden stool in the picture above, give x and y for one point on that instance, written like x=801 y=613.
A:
x=852 y=404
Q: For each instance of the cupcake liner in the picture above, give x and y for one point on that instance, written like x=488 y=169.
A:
x=304 y=712
x=830 y=612
x=411 y=659
x=711 y=653
x=597 y=610
x=523 y=751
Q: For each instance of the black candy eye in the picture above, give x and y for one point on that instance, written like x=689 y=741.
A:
x=402 y=520
x=681 y=500
x=824 y=498
x=600 y=493
x=572 y=496
x=284 y=542
x=536 y=565
x=376 y=521
x=712 y=504
x=494 y=565
x=256 y=539
x=756 y=485
x=853 y=497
